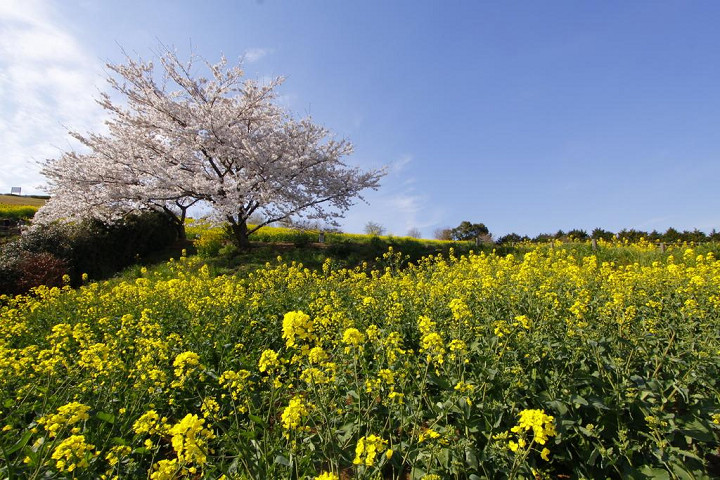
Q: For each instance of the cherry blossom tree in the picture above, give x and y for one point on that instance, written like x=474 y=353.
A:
x=179 y=139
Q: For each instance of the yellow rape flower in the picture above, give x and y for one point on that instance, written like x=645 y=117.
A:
x=293 y=414
x=432 y=344
x=545 y=454
x=297 y=326
x=367 y=449
x=428 y=434
x=149 y=422
x=353 y=336
x=69 y=414
x=268 y=361
x=165 y=470
x=73 y=453
x=317 y=355
x=541 y=424
x=117 y=453
x=327 y=476
x=235 y=382
x=185 y=364
x=190 y=439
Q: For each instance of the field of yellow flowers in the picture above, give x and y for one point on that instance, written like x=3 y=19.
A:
x=16 y=212
x=547 y=364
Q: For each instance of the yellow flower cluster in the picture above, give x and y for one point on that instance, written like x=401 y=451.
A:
x=542 y=425
x=297 y=326
x=69 y=414
x=235 y=382
x=353 y=337
x=185 y=364
x=327 y=476
x=190 y=439
x=268 y=361
x=368 y=448
x=292 y=416
x=73 y=453
x=150 y=423
x=165 y=470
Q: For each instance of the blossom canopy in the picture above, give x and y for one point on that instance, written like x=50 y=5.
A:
x=220 y=140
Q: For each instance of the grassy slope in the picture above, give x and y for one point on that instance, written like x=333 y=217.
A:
x=22 y=200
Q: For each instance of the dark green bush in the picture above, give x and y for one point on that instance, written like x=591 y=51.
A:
x=90 y=247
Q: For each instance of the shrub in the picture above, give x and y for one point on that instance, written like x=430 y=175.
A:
x=40 y=269
x=20 y=270
x=89 y=247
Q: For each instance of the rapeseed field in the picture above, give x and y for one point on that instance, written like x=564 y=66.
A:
x=545 y=364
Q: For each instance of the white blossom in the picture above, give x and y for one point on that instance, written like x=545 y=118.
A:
x=221 y=140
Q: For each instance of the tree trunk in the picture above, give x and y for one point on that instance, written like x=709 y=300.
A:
x=239 y=234
x=180 y=225
x=180 y=228
x=178 y=222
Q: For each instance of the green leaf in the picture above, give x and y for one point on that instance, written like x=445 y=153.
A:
x=247 y=434
x=558 y=406
x=655 y=473
x=105 y=417
x=499 y=420
x=280 y=460
x=698 y=430
x=345 y=432
x=32 y=455
x=233 y=468
x=471 y=458
x=20 y=443
x=593 y=456
x=437 y=380
x=687 y=454
x=257 y=420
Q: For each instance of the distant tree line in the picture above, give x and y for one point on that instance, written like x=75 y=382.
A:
x=671 y=235
x=471 y=231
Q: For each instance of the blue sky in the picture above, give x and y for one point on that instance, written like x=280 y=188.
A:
x=527 y=116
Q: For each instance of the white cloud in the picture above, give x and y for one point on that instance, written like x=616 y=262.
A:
x=48 y=83
x=397 y=205
x=254 y=54
x=400 y=164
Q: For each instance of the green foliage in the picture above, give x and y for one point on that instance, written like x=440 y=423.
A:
x=374 y=228
x=600 y=234
x=89 y=247
x=512 y=238
x=469 y=231
x=578 y=234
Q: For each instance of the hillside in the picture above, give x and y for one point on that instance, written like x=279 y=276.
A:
x=22 y=200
